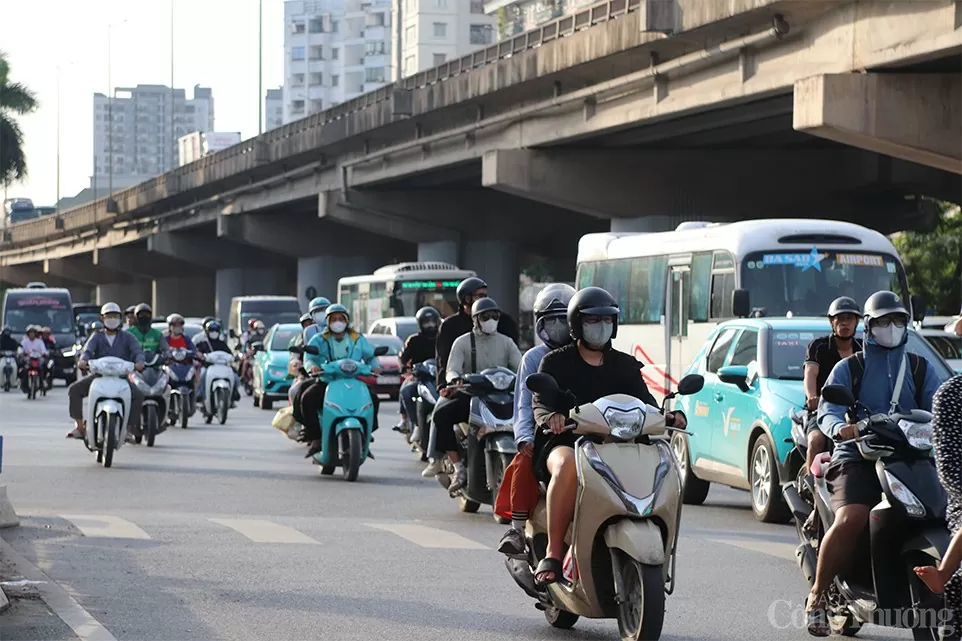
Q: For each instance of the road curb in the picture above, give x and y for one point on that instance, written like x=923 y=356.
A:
x=8 y=515
x=4 y=601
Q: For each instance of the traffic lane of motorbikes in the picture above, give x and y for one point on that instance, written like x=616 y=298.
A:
x=195 y=579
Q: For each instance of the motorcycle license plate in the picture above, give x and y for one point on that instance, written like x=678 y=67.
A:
x=68 y=370
x=388 y=380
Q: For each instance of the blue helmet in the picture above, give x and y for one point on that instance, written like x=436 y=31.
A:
x=319 y=303
x=337 y=308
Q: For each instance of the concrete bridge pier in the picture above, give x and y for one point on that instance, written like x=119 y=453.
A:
x=444 y=251
x=498 y=263
x=185 y=296
x=248 y=281
x=125 y=294
x=323 y=272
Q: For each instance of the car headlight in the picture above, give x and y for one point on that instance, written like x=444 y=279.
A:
x=905 y=496
x=919 y=435
x=348 y=366
x=625 y=425
x=500 y=380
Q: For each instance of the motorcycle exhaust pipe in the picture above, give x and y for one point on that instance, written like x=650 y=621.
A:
x=800 y=509
x=807 y=562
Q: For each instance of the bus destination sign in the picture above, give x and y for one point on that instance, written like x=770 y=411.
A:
x=430 y=284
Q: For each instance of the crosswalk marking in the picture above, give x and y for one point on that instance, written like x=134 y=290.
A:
x=112 y=527
x=771 y=548
x=260 y=531
x=429 y=537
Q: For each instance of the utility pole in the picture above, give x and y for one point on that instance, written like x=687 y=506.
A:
x=260 y=67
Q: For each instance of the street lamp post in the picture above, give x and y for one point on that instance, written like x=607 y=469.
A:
x=260 y=67
x=110 y=111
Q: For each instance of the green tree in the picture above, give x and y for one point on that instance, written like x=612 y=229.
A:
x=15 y=99
x=933 y=262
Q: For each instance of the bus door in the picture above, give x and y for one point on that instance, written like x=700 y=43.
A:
x=678 y=352
x=359 y=313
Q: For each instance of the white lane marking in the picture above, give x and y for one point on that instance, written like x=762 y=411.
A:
x=63 y=605
x=260 y=531
x=429 y=537
x=771 y=548
x=111 y=527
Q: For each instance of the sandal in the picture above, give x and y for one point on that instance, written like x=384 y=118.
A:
x=548 y=565
x=313 y=449
x=816 y=615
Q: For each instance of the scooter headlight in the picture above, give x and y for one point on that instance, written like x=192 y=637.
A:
x=905 y=496
x=919 y=435
x=159 y=386
x=625 y=425
x=500 y=380
x=348 y=366
x=140 y=383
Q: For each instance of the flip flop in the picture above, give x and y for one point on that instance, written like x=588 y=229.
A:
x=817 y=619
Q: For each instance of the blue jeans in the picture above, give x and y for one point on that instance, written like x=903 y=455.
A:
x=203 y=384
x=409 y=392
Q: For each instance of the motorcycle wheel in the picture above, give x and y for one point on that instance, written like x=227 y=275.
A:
x=351 y=454
x=642 y=614
x=561 y=619
x=110 y=439
x=223 y=404
x=467 y=506
x=183 y=415
x=32 y=394
x=500 y=463
x=150 y=432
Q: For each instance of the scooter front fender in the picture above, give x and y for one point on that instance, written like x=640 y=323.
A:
x=220 y=383
x=501 y=442
x=109 y=407
x=349 y=423
x=641 y=540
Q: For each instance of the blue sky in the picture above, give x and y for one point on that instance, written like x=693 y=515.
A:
x=215 y=45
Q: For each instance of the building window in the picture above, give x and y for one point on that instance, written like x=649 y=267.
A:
x=374 y=74
x=374 y=20
x=317 y=79
x=315 y=25
x=335 y=26
x=439 y=59
x=297 y=26
x=441 y=4
x=376 y=47
x=409 y=34
x=297 y=106
x=317 y=52
x=481 y=34
x=477 y=6
x=297 y=53
x=335 y=80
x=409 y=65
x=335 y=54
x=440 y=29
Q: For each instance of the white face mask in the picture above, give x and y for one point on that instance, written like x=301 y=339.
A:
x=214 y=335
x=597 y=334
x=112 y=323
x=318 y=317
x=338 y=326
x=177 y=331
x=489 y=326
x=888 y=337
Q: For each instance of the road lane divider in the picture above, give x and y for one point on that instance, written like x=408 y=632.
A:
x=429 y=537
x=110 y=527
x=260 y=531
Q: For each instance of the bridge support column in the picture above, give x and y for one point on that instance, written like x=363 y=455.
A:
x=185 y=296
x=81 y=294
x=498 y=262
x=323 y=272
x=444 y=251
x=125 y=294
x=243 y=281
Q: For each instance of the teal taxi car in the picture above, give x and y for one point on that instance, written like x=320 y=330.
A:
x=271 y=378
x=741 y=420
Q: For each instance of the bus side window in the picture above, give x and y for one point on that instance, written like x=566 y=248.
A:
x=700 y=287
x=586 y=275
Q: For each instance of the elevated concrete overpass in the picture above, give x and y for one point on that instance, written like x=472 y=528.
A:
x=631 y=115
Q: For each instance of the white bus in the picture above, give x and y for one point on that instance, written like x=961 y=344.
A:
x=401 y=290
x=674 y=287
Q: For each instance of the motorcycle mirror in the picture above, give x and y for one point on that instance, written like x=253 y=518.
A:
x=312 y=350
x=257 y=347
x=541 y=383
x=838 y=394
x=232 y=333
x=691 y=384
x=295 y=349
x=381 y=350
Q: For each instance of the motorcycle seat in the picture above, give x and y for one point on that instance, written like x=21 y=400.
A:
x=820 y=463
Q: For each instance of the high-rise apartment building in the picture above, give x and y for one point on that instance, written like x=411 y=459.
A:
x=430 y=32
x=517 y=16
x=144 y=132
x=334 y=50
x=274 y=108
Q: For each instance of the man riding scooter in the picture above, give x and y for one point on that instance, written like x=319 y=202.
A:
x=256 y=334
x=151 y=340
x=32 y=344
x=211 y=341
x=318 y=311
x=112 y=341
x=418 y=348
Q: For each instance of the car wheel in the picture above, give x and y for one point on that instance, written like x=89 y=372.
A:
x=767 y=502
x=695 y=490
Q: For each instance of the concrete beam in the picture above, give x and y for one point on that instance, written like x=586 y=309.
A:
x=915 y=117
x=82 y=270
x=25 y=273
x=217 y=253
x=144 y=264
x=367 y=213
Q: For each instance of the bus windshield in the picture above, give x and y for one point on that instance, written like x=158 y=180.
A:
x=43 y=308
x=408 y=300
x=804 y=284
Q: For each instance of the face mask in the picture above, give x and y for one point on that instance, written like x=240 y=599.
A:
x=489 y=326
x=144 y=323
x=554 y=332
x=177 y=331
x=338 y=326
x=214 y=336
x=597 y=334
x=318 y=317
x=888 y=337
x=430 y=330
x=111 y=323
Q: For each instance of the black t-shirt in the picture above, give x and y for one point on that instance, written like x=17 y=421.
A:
x=417 y=349
x=824 y=352
x=620 y=373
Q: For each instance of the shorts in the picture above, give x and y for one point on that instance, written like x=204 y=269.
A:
x=543 y=446
x=853 y=483
x=811 y=425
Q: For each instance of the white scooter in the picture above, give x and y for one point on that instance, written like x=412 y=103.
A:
x=8 y=370
x=108 y=406
x=219 y=386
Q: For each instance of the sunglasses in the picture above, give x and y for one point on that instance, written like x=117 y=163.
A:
x=490 y=316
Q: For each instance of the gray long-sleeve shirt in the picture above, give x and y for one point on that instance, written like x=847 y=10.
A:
x=126 y=346
x=491 y=350
x=524 y=418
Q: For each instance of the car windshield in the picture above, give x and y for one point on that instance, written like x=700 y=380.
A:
x=949 y=346
x=282 y=338
x=85 y=318
x=788 y=352
x=271 y=318
x=394 y=344
x=804 y=284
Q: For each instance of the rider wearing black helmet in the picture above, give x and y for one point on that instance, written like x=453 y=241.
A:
x=590 y=368
x=418 y=348
x=884 y=378
x=459 y=324
x=822 y=355
x=7 y=342
x=474 y=352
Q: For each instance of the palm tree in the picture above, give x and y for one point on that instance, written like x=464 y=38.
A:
x=15 y=98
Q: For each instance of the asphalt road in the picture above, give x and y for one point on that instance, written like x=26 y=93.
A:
x=226 y=532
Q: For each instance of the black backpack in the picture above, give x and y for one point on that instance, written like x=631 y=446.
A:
x=856 y=366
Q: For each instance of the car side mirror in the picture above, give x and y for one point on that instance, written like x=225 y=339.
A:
x=381 y=350
x=741 y=303
x=691 y=384
x=918 y=307
x=838 y=395
x=736 y=375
